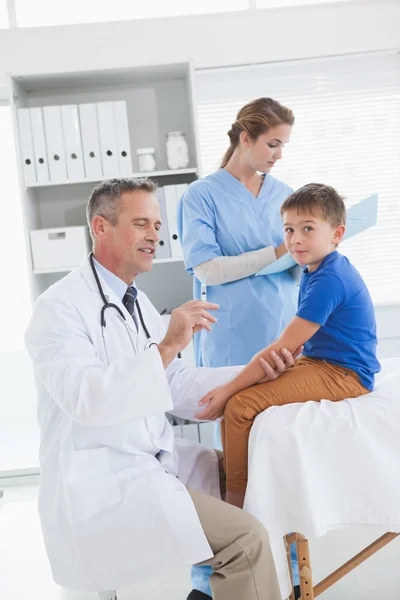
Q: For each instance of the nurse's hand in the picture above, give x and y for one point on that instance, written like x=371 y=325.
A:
x=215 y=401
x=280 y=365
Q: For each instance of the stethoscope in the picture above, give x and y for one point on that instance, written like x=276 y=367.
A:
x=107 y=304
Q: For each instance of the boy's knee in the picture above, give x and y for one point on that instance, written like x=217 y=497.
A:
x=233 y=409
x=239 y=408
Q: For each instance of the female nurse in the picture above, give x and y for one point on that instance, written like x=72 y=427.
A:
x=230 y=227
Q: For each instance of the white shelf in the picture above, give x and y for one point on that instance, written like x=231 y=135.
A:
x=156 y=261
x=166 y=173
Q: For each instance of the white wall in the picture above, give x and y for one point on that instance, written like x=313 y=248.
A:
x=388 y=327
x=210 y=40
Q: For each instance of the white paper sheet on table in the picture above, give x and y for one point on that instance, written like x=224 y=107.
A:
x=319 y=466
x=360 y=217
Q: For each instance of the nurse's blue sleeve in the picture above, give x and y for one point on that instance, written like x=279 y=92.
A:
x=196 y=229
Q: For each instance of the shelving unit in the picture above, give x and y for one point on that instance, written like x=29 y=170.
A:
x=159 y=99
x=152 y=174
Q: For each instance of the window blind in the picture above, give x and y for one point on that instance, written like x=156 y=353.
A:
x=346 y=134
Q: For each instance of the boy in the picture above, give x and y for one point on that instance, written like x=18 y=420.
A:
x=335 y=321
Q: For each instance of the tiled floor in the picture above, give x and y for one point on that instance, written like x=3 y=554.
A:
x=25 y=573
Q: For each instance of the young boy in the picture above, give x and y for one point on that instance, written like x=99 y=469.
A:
x=335 y=321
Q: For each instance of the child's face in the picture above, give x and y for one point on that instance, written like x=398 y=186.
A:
x=309 y=237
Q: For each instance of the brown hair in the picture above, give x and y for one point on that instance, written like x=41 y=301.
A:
x=256 y=118
x=318 y=196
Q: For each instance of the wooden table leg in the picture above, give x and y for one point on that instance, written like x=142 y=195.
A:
x=289 y=559
x=305 y=573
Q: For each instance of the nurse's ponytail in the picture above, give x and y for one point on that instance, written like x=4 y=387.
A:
x=256 y=118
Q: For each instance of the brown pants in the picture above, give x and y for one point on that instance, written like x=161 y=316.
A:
x=308 y=379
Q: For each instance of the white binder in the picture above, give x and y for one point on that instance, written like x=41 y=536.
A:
x=39 y=145
x=108 y=139
x=171 y=202
x=26 y=146
x=122 y=135
x=55 y=143
x=72 y=142
x=180 y=190
x=90 y=141
x=164 y=246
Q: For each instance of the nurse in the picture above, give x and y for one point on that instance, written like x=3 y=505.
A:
x=230 y=227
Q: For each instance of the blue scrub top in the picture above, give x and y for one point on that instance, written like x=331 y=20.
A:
x=219 y=216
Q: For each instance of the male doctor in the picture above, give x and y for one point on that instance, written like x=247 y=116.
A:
x=119 y=498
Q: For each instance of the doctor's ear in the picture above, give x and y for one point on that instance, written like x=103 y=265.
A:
x=99 y=226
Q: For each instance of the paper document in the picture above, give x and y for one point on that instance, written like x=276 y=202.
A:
x=360 y=217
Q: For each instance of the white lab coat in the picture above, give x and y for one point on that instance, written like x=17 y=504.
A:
x=111 y=513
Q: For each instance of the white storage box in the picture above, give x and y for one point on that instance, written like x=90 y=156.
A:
x=58 y=249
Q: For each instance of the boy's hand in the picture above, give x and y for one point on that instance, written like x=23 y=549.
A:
x=280 y=365
x=215 y=400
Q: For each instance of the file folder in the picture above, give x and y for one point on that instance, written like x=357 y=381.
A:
x=54 y=143
x=108 y=139
x=361 y=216
x=171 y=203
x=123 y=142
x=180 y=190
x=164 y=246
x=90 y=141
x=26 y=146
x=72 y=142
x=39 y=145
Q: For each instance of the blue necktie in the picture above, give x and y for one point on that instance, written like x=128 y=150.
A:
x=129 y=302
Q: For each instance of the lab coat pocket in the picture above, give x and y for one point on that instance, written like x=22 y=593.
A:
x=91 y=487
x=216 y=345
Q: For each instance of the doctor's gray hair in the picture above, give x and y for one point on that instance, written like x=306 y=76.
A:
x=106 y=198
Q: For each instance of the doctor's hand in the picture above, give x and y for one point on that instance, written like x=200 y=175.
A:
x=280 y=365
x=186 y=320
x=215 y=401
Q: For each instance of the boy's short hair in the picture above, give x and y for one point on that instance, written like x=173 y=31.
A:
x=320 y=196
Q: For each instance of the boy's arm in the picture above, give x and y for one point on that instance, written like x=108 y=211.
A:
x=296 y=333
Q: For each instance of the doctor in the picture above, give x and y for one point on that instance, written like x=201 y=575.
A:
x=113 y=500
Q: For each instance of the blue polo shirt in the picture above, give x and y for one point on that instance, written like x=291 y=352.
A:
x=336 y=297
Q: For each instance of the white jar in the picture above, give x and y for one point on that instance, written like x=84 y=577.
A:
x=146 y=159
x=177 y=150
